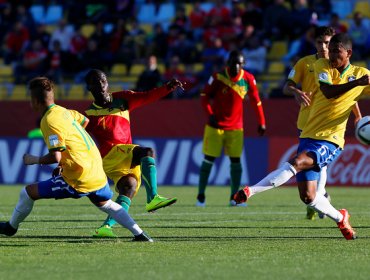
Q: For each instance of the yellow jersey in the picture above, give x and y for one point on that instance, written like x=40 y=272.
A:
x=303 y=74
x=81 y=161
x=328 y=117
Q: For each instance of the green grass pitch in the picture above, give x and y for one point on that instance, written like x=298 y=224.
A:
x=270 y=239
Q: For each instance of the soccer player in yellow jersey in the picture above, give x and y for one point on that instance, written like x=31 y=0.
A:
x=340 y=86
x=80 y=170
x=301 y=84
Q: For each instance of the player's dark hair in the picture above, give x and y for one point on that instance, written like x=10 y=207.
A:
x=42 y=89
x=321 y=31
x=342 y=39
x=234 y=54
x=93 y=74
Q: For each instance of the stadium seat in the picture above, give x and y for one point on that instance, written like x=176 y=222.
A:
x=38 y=13
x=206 y=6
x=76 y=92
x=6 y=73
x=278 y=49
x=137 y=69
x=87 y=29
x=54 y=13
x=188 y=8
x=19 y=92
x=166 y=12
x=363 y=7
x=342 y=8
x=147 y=13
x=276 y=67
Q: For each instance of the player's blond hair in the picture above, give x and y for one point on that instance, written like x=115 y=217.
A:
x=42 y=89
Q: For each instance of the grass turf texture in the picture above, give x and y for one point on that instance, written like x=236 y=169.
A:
x=270 y=239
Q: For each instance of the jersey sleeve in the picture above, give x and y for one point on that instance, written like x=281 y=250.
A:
x=255 y=100
x=54 y=136
x=296 y=74
x=137 y=99
x=78 y=117
x=205 y=95
x=322 y=72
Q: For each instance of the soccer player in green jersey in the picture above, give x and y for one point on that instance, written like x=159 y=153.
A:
x=340 y=84
x=80 y=169
x=124 y=162
x=301 y=84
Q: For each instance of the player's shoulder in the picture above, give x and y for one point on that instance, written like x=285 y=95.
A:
x=248 y=76
x=308 y=59
x=360 y=70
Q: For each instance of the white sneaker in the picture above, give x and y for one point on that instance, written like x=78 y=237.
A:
x=200 y=204
x=233 y=203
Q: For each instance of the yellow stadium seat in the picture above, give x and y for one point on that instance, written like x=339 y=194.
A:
x=6 y=73
x=198 y=67
x=363 y=7
x=147 y=27
x=19 y=93
x=87 y=29
x=276 y=67
x=278 y=49
x=137 y=69
x=188 y=8
x=77 y=92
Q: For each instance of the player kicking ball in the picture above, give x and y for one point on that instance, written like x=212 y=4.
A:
x=341 y=84
x=123 y=162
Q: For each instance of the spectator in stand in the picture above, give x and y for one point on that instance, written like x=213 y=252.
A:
x=197 y=19
x=307 y=42
x=139 y=37
x=41 y=34
x=213 y=58
x=276 y=20
x=181 y=20
x=158 y=42
x=219 y=15
x=55 y=62
x=321 y=7
x=32 y=64
x=90 y=59
x=62 y=33
x=151 y=77
x=336 y=24
x=183 y=47
x=301 y=17
x=360 y=35
x=253 y=16
x=255 y=56
x=78 y=43
x=22 y=14
x=6 y=20
x=100 y=36
x=15 y=42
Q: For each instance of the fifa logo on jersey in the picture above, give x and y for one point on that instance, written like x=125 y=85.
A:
x=351 y=78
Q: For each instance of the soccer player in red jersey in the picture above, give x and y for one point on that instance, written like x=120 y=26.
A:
x=123 y=162
x=222 y=99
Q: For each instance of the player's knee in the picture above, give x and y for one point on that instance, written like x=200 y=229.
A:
x=127 y=186
x=307 y=197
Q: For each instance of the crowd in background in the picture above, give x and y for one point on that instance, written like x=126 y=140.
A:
x=200 y=36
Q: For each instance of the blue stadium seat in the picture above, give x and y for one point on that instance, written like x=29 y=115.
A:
x=38 y=13
x=54 y=14
x=147 y=13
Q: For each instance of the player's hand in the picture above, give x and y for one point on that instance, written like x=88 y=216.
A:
x=57 y=171
x=303 y=98
x=261 y=130
x=175 y=83
x=212 y=121
x=30 y=159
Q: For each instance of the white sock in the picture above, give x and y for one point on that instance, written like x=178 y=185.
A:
x=121 y=216
x=322 y=181
x=22 y=209
x=274 y=179
x=322 y=204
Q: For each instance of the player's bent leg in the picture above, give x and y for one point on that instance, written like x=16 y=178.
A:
x=123 y=218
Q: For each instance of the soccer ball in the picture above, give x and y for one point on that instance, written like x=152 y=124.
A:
x=363 y=130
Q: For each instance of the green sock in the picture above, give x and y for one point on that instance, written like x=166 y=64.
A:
x=149 y=174
x=235 y=176
x=205 y=170
x=125 y=202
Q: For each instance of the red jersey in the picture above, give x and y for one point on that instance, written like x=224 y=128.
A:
x=223 y=97
x=111 y=126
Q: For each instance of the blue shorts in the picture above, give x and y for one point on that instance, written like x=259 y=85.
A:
x=57 y=188
x=323 y=153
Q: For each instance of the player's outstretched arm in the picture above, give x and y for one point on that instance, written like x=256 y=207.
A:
x=50 y=158
x=333 y=91
x=174 y=83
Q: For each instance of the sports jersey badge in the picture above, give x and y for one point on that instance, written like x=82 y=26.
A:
x=53 y=140
x=351 y=78
x=323 y=76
